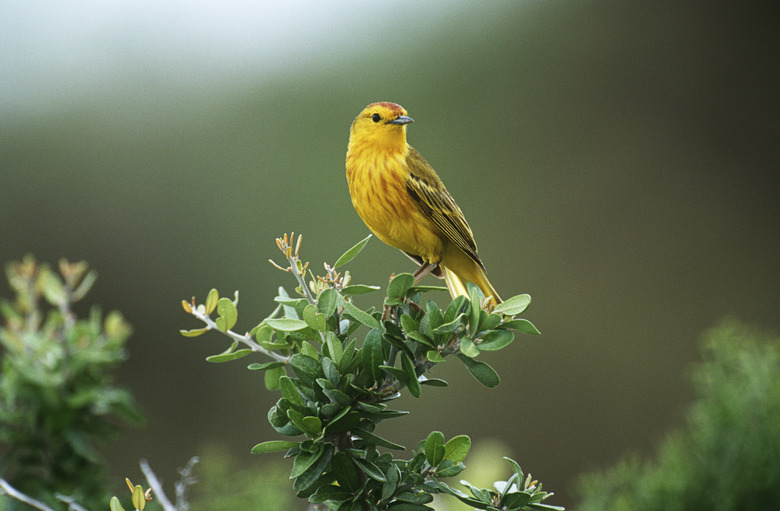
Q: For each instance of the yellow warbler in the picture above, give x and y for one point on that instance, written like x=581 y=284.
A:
x=402 y=200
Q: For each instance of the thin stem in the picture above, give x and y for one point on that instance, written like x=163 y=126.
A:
x=155 y=485
x=245 y=339
x=183 y=484
x=21 y=497
x=72 y=505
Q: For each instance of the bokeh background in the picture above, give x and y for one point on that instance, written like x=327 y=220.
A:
x=616 y=161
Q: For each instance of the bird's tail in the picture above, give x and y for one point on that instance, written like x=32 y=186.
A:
x=456 y=284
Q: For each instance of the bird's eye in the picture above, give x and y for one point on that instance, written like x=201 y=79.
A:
x=376 y=117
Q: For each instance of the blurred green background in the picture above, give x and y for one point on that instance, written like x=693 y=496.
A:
x=616 y=161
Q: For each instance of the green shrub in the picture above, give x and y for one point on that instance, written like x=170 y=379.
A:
x=727 y=455
x=338 y=367
x=57 y=394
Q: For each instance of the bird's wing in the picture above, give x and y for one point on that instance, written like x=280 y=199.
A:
x=429 y=193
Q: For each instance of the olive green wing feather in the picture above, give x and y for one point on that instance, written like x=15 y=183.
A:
x=429 y=193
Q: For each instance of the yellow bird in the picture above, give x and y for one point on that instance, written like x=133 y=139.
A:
x=402 y=200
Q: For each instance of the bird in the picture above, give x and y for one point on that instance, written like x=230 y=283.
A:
x=402 y=200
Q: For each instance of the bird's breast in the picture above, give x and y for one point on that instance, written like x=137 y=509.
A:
x=377 y=185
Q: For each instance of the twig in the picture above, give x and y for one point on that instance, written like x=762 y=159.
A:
x=72 y=505
x=245 y=339
x=21 y=497
x=187 y=480
x=154 y=483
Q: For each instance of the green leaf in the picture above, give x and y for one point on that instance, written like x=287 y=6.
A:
x=115 y=505
x=414 y=497
x=262 y=332
x=393 y=477
x=376 y=440
x=52 y=287
x=286 y=324
x=432 y=319
x=488 y=321
x=412 y=383
x=279 y=420
x=449 y=468
x=194 y=333
x=338 y=397
x=304 y=460
x=370 y=470
x=434 y=448
x=228 y=314
x=471 y=501
x=345 y=422
x=426 y=289
x=312 y=426
x=314 y=319
x=327 y=302
x=334 y=347
x=453 y=325
x=516 y=500
x=309 y=350
x=331 y=492
x=352 y=252
x=306 y=368
x=420 y=337
x=347 y=357
x=346 y=472
x=517 y=470
x=313 y=473
x=494 y=340
x=359 y=289
x=331 y=371
x=262 y=367
x=274 y=446
x=433 y=382
x=227 y=357
x=457 y=306
x=467 y=348
x=475 y=296
x=138 y=499
x=373 y=354
x=514 y=305
x=480 y=493
x=408 y=324
x=398 y=374
x=538 y=506
x=457 y=448
x=521 y=325
x=272 y=377
x=289 y=391
x=361 y=316
x=482 y=372
x=211 y=301
x=434 y=356
x=400 y=284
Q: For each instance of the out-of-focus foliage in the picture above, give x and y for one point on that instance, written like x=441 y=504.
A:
x=57 y=392
x=727 y=455
x=260 y=487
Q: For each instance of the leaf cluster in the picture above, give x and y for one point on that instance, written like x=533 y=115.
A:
x=338 y=367
x=57 y=394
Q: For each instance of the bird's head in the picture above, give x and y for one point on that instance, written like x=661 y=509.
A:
x=382 y=125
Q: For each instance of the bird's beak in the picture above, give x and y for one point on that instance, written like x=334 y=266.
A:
x=401 y=119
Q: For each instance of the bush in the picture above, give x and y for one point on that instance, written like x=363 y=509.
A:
x=57 y=394
x=338 y=367
x=727 y=455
